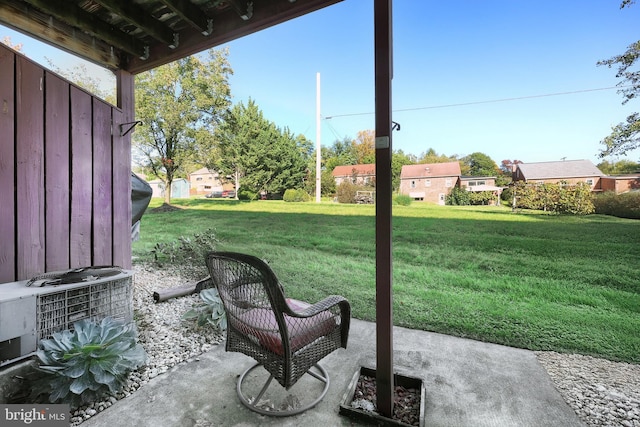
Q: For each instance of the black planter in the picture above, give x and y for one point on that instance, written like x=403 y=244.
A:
x=374 y=418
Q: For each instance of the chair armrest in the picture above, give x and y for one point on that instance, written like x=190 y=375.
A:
x=324 y=305
x=320 y=306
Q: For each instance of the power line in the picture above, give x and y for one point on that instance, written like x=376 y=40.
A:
x=484 y=102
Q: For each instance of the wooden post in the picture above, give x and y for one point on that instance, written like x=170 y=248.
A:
x=384 y=282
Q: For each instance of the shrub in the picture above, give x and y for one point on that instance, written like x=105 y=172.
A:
x=208 y=312
x=346 y=192
x=625 y=205
x=296 y=195
x=247 y=195
x=403 y=200
x=84 y=365
x=458 y=197
x=189 y=250
x=559 y=198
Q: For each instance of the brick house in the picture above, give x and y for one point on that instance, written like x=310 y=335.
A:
x=569 y=171
x=356 y=174
x=620 y=183
x=429 y=182
x=204 y=181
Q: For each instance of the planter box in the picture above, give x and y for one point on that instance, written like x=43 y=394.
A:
x=374 y=418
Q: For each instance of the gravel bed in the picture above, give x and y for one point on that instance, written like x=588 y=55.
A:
x=167 y=339
x=602 y=393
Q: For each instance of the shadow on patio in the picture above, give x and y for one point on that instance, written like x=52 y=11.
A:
x=468 y=383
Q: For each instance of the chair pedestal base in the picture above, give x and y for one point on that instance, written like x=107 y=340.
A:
x=256 y=403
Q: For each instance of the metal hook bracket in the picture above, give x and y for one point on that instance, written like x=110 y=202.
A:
x=132 y=125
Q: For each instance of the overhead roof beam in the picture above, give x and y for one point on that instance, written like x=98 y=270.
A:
x=140 y=17
x=77 y=17
x=191 y=14
x=40 y=25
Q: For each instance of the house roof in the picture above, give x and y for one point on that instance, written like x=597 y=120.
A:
x=430 y=170
x=558 y=170
x=349 y=170
x=202 y=171
x=139 y=35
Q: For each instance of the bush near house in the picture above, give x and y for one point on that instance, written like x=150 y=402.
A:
x=296 y=195
x=461 y=197
x=625 y=205
x=346 y=192
x=555 y=197
x=403 y=200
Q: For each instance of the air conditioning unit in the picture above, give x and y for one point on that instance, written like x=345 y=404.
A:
x=30 y=314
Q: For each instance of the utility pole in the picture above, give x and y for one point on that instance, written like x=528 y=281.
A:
x=318 y=145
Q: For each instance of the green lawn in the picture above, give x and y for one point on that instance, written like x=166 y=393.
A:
x=531 y=280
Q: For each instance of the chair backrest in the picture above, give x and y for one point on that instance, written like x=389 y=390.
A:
x=248 y=288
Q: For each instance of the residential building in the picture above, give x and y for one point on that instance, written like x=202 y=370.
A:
x=429 y=182
x=567 y=171
x=620 y=183
x=356 y=174
x=204 y=181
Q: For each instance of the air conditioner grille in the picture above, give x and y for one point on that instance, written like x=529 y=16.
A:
x=59 y=310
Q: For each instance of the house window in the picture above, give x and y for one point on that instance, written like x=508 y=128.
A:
x=199 y=178
x=448 y=182
x=589 y=181
x=413 y=184
x=476 y=183
x=427 y=183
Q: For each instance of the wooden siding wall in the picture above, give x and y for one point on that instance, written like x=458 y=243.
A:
x=65 y=186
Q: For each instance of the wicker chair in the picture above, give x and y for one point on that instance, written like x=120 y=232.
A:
x=285 y=336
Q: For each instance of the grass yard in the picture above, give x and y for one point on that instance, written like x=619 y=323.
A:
x=530 y=280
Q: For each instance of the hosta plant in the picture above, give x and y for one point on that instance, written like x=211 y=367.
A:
x=93 y=360
x=209 y=311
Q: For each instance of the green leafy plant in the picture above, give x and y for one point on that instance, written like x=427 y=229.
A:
x=93 y=360
x=403 y=200
x=296 y=195
x=186 y=249
x=209 y=311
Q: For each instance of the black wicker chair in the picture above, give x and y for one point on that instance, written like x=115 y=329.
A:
x=285 y=336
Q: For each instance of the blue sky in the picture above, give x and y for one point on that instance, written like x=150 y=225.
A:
x=451 y=59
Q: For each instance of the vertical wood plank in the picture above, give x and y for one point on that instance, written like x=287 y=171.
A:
x=7 y=166
x=81 y=178
x=57 y=181
x=122 y=171
x=102 y=184
x=30 y=169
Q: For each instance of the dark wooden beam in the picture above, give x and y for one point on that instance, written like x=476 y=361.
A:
x=191 y=14
x=228 y=26
x=141 y=18
x=34 y=23
x=384 y=262
x=77 y=17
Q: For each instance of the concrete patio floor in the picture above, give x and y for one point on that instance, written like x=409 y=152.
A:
x=468 y=383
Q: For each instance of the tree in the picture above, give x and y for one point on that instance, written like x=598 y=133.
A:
x=625 y=136
x=6 y=40
x=431 y=156
x=509 y=166
x=399 y=159
x=180 y=105
x=478 y=164
x=619 y=167
x=80 y=76
x=364 y=147
x=259 y=155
